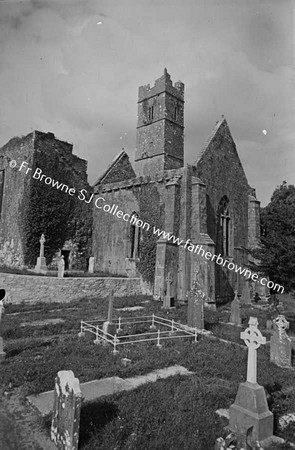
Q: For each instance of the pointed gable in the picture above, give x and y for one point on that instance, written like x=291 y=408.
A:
x=219 y=151
x=120 y=169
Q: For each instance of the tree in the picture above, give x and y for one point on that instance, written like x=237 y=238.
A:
x=277 y=253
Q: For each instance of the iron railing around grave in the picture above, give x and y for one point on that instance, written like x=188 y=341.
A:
x=175 y=330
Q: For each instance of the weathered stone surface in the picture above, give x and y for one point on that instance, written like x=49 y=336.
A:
x=280 y=344
x=53 y=289
x=66 y=411
x=235 y=315
x=61 y=267
x=91 y=264
x=246 y=294
x=2 y=353
x=168 y=303
x=250 y=410
x=195 y=318
x=40 y=150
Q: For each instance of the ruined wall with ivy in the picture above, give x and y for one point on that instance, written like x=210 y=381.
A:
x=16 y=188
x=31 y=207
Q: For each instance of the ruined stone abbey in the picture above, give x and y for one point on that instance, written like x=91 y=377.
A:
x=208 y=203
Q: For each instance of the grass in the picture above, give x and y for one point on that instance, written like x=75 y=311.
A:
x=175 y=413
x=54 y=273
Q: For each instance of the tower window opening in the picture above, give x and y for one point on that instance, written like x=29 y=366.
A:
x=151 y=113
x=175 y=114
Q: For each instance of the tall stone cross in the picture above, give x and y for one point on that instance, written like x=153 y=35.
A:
x=167 y=298
x=111 y=302
x=42 y=242
x=169 y=281
x=253 y=339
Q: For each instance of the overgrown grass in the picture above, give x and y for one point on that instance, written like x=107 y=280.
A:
x=175 y=413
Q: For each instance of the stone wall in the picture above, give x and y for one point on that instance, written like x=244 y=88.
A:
x=33 y=289
x=16 y=186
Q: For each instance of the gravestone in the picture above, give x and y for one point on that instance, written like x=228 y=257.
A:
x=41 y=260
x=280 y=343
x=61 y=267
x=91 y=264
x=195 y=315
x=66 y=411
x=235 y=314
x=109 y=326
x=2 y=353
x=250 y=408
x=246 y=295
x=167 y=303
x=2 y=295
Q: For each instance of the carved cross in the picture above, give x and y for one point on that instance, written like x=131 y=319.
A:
x=169 y=278
x=253 y=339
x=169 y=281
x=281 y=323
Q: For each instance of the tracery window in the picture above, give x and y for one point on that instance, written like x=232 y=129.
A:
x=134 y=236
x=224 y=226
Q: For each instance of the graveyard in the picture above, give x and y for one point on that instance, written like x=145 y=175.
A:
x=159 y=411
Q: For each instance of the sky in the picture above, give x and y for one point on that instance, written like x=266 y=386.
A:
x=73 y=67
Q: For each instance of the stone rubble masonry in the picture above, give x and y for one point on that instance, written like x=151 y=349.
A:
x=33 y=289
x=35 y=149
x=160 y=127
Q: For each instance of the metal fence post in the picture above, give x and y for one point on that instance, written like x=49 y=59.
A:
x=158 y=340
x=96 y=340
x=82 y=333
x=153 y=322
x=115 y=345
x=119 y=329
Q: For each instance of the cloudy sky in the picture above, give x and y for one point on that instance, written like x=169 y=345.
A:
x=73 y=67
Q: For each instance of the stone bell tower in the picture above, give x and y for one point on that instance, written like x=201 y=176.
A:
x=160 y=127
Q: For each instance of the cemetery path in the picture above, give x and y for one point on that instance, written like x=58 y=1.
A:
x=19 y=427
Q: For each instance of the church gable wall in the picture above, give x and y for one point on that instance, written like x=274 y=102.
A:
x=220 y=169
x=120 y=171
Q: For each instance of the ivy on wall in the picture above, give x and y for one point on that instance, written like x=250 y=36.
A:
x=55 y=213
x=152 y=212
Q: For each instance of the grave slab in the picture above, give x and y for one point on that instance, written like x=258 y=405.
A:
x=130 y=308
x=92 y=390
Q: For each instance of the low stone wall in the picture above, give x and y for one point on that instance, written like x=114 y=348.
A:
x=32 y=289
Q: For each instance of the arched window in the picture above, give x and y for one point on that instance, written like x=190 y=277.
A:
x=134 y=236
x=223 y=227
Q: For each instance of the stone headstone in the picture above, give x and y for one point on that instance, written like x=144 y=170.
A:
x=167 y=303
x=280 y=343
x=61 y=267
x=250 y=408
x=91 y=264
x=246 y=295
x=66 y=411
x=235 y=314
x=1 y=309
x=2 y=353
x=195 y=318
x=108 y=326
x=41 y=260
